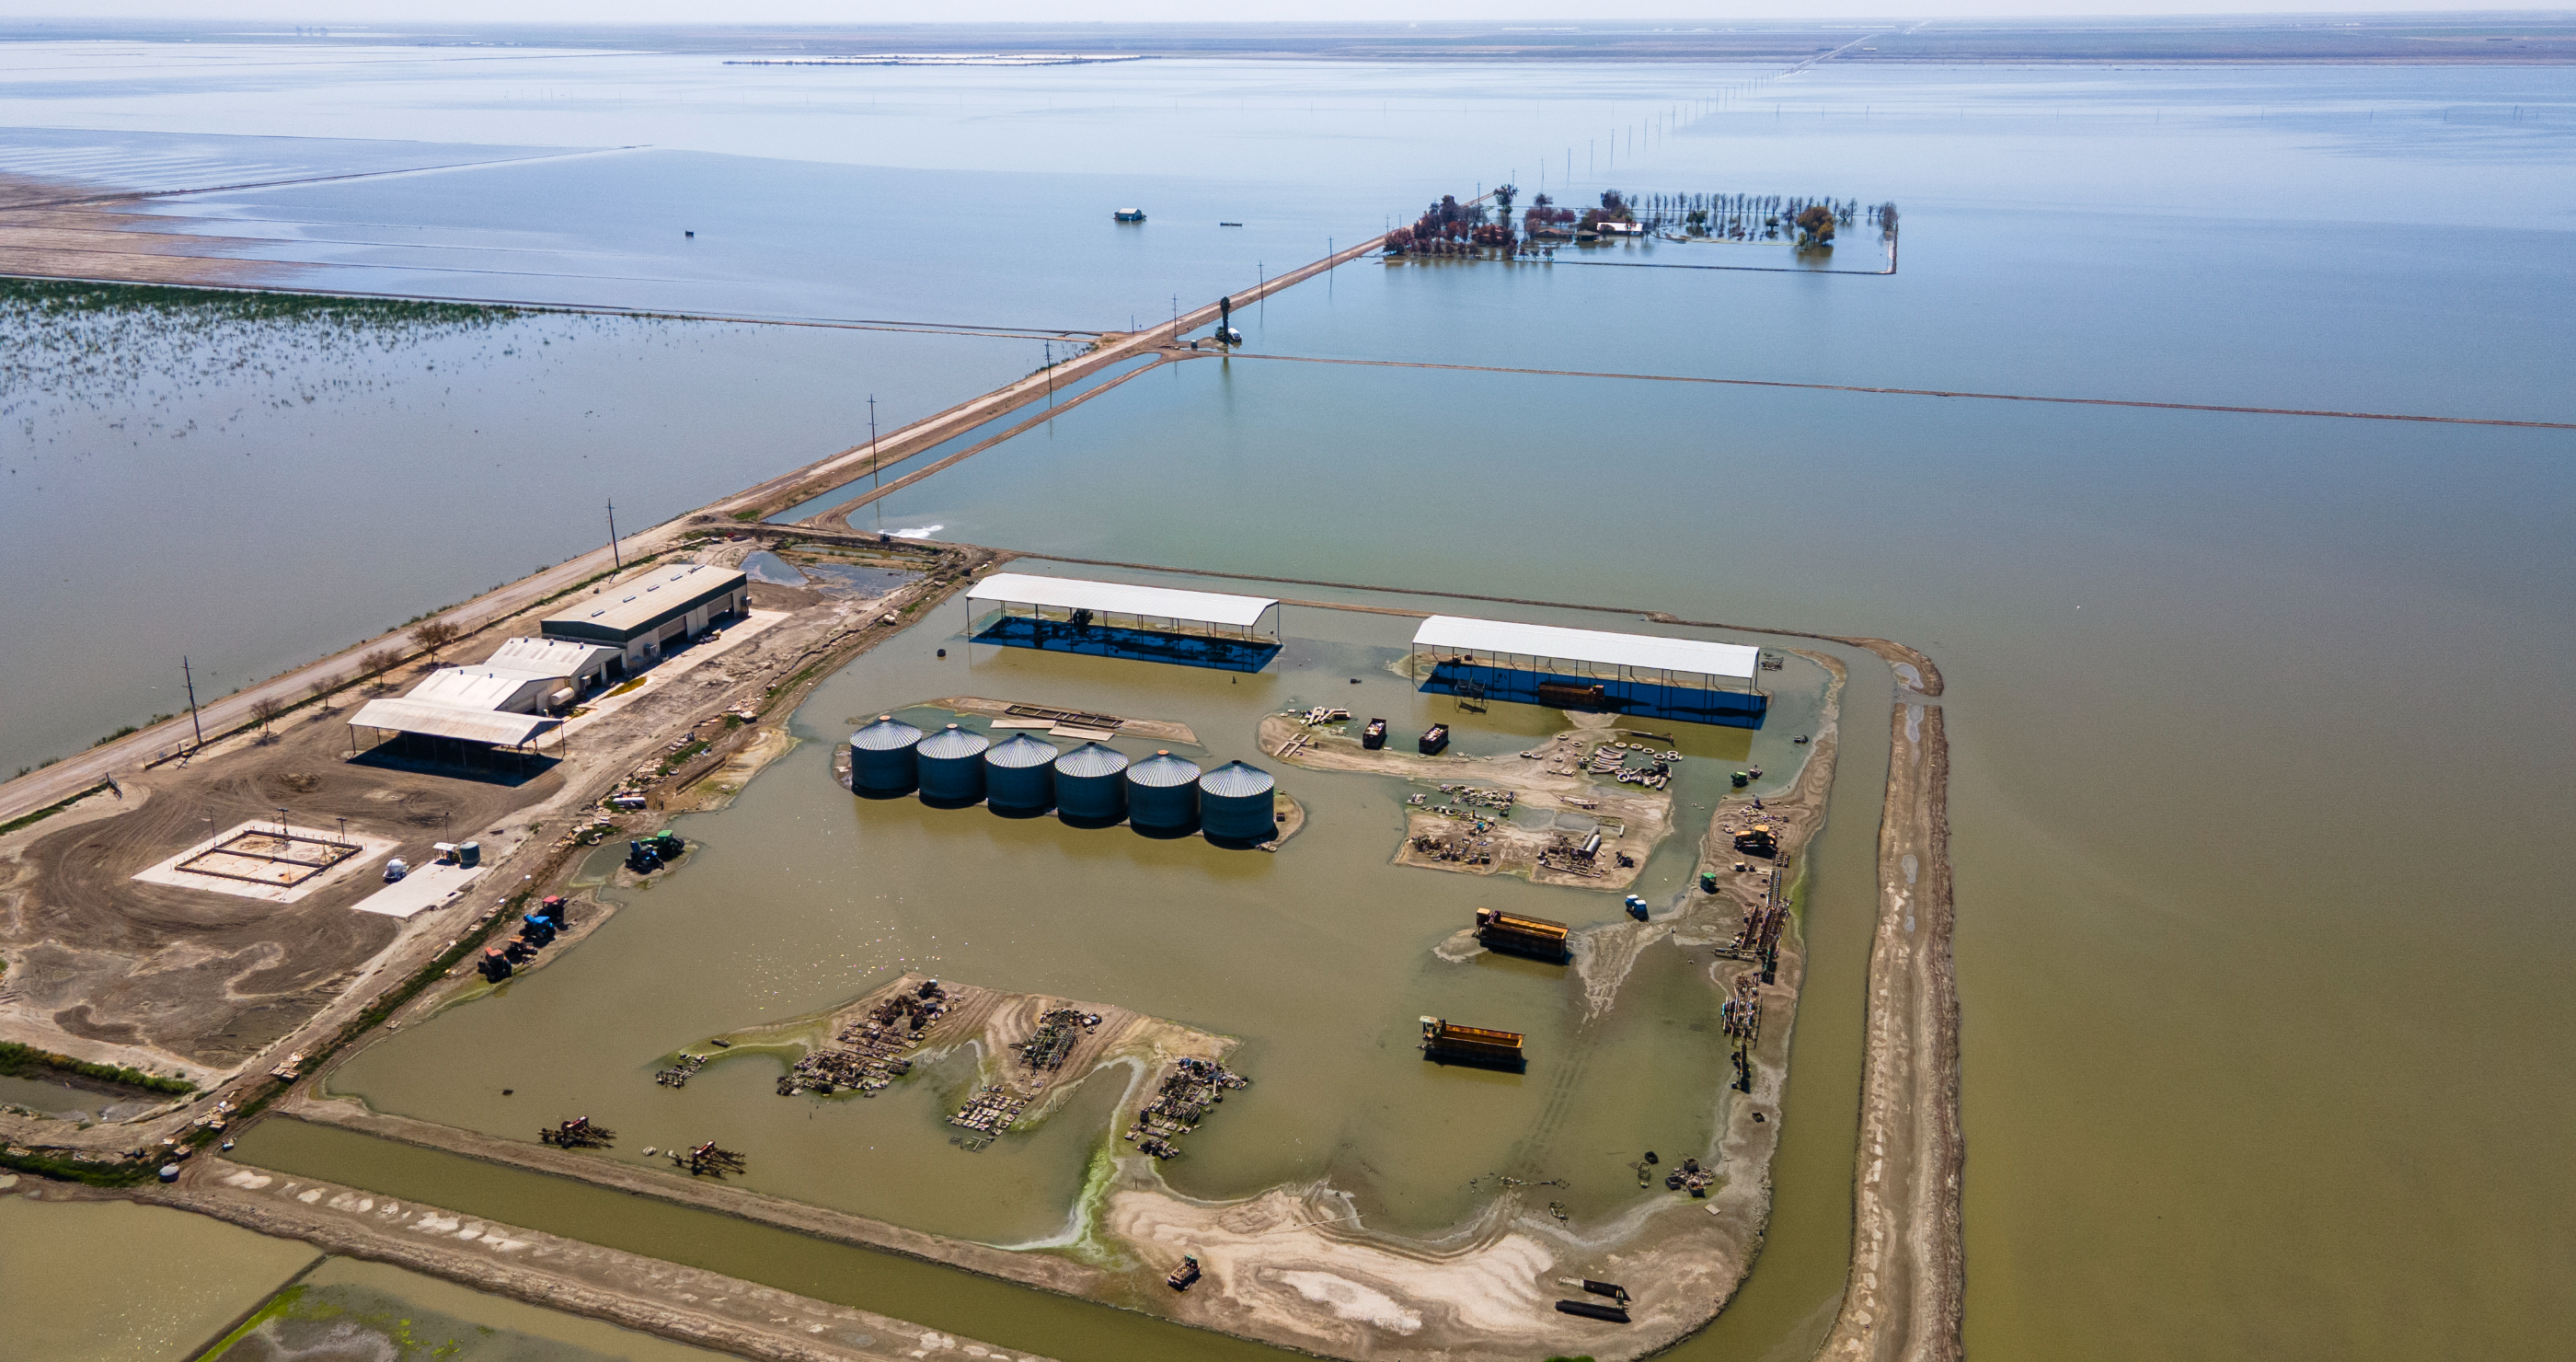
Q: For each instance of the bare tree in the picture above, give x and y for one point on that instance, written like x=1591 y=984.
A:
x=375 y=664
x=434 y=635
x=263 y=709
x=322 y=686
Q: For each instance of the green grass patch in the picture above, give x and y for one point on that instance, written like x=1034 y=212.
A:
x=19 y=1061
x=49 y=810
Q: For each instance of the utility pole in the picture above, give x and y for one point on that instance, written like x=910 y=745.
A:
x=616 y=559
x=876 y=479
x=192 y=700
x=1050 y=374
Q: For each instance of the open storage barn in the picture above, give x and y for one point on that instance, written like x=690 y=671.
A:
x=1120 y=619
x=1646 y=675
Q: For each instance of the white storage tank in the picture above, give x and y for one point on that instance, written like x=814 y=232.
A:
x=1163 y=793
x=1236 y=802
x=951 y=762
x=1019 y=775
x=1091 y=784
x=881 y=757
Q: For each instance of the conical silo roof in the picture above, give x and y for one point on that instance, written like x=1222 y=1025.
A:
x=953 y=742
x=1021 y=750
x=1163 y=769
x=1235 y=780
x=885 y=735
x=1091 y=760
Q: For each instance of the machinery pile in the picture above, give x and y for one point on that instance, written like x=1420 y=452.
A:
x=1742 y=1010
x=987 y=1114
x=677 y=1076
x=1058 y=1032
x=1187 y=1092
x=875 y=1046
x=1611 y=759
x=537 y=931
x=707 y=1161
x=577 y=1133
x=1461 y=849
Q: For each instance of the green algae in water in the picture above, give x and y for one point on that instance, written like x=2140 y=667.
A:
x=337 y=1320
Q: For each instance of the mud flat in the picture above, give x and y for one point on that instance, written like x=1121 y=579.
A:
x=1483 y=840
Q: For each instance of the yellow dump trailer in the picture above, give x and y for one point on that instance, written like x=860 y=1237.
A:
x=1515 y=934
x=1446 y=1042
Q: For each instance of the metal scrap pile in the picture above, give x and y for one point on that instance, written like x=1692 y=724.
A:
x=1058 y=1032
x=1193 y=1086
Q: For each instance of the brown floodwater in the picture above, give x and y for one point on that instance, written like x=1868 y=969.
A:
x=799 y=897
x=110 y=1281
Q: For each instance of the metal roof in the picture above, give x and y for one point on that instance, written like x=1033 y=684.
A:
x=1021 y=750
x=1590 y=645
x=1120 y=598
x=483 y=687
x=887 y=734
x=952 y=743
x=548 y=656
x=1163 y=769
x=1236 y=780
x=450 y=721
x=1091 y=759
x=639 y=601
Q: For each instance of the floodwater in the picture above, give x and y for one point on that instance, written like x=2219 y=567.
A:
x=1320 y=958
x=349 y=1308
x=2258 y=721
x=87 y=1281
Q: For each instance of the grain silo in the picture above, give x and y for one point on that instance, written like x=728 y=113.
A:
x=1019 y=775
x=1163 y=793
x=1236 y=802
x=952 y=765
x=881 y=757
x=1091 y=784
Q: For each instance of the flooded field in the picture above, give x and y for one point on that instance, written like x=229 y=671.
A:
x=355 y=1309
x=112 y=1282
x=1318 y=957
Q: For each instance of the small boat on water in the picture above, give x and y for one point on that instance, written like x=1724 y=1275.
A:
x=1373 y=737
x=1129 y=214
x=1434 y=739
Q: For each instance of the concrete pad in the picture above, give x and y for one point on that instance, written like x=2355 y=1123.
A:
x=430 y=886
x=371 y=849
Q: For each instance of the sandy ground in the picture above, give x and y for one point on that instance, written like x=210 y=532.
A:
x=1908 y=1265
x=217 y=987
x=682 y=1303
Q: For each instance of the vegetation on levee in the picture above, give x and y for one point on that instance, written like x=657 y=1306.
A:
x=49 y=810
x=21 y=1061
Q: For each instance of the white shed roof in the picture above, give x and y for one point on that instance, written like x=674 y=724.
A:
x=548 y=656
x=407 y=715
x=1590 y=645
x=483 y=687
x=1121 y=598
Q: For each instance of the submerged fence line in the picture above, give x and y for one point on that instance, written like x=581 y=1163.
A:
x=1931 y=392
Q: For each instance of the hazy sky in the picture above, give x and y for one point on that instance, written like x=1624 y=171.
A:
x=1694 y=12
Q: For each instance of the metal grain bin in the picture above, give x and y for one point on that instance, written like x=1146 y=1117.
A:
x=1163 y=793
x=1019 y=775
x=1235 y=802
x=1091 y=784
x=881 y=757
x=952 y=765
